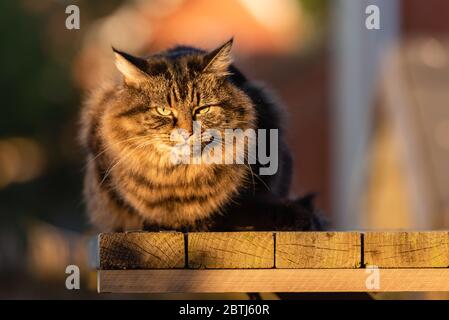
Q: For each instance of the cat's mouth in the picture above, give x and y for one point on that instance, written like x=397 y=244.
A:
x=197 y=139
x=198 y=143
x=193 y=149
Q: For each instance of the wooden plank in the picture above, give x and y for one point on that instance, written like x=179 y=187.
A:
x=141 y=250
x=407 y=249
x=213 y=250
x=318 y=250
x=270 y=280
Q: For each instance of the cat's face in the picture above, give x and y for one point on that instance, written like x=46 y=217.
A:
x=167 y=98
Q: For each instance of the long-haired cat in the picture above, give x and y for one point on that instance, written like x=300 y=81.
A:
x=131 y=182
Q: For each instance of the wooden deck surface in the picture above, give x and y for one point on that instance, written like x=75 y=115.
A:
x=273 y=261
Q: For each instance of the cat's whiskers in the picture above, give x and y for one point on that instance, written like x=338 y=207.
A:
x=113 y=145
x=252 y=177
x=255 y=174
x=130 y=152
x=229 y=148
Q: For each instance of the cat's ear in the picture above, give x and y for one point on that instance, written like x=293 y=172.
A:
x=130 y=67
x=219 y=60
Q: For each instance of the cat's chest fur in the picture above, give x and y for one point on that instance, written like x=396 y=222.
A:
x=179 y=195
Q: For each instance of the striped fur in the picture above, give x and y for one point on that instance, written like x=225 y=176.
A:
x=130 y=181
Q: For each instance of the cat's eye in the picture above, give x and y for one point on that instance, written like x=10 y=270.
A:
x=163 y=111
x=202 y=110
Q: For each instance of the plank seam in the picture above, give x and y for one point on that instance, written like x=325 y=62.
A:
x=274 y=250
x=186 y=250
x=362 y=250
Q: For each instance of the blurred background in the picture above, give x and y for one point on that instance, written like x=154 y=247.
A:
x=368 y=124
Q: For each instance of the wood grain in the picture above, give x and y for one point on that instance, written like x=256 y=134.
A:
x=141 y=250
x=230 y=250
x=318 y=250
x=270 y=280
x=407 y=249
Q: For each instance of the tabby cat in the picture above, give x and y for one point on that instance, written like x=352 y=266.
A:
x=131 y=182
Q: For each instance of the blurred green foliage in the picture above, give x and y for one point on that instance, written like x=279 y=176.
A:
x=39 y=102
x=316 y=8
x=28 y=77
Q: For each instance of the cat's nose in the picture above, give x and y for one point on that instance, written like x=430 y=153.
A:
x=187 y=127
